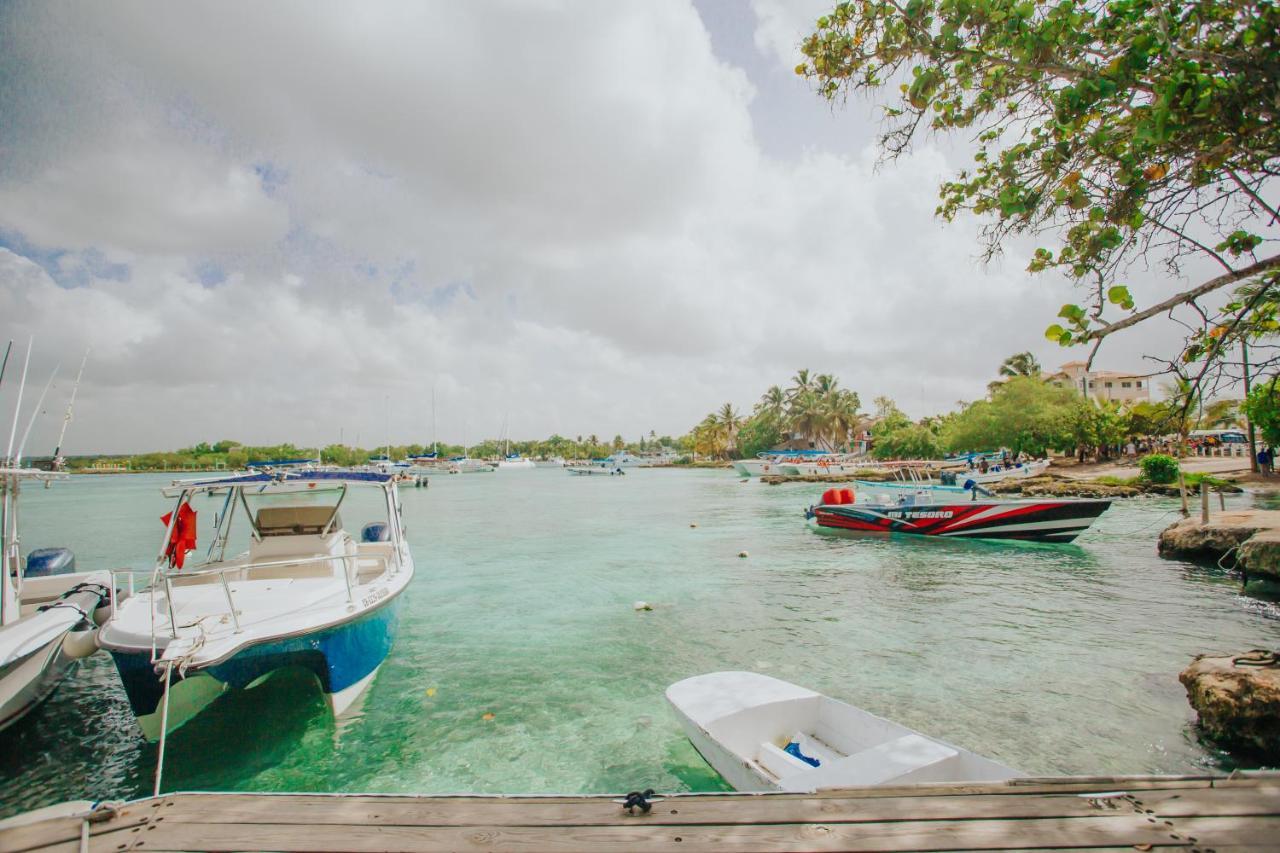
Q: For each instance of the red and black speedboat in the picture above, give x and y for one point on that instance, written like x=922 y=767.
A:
x=953 y=512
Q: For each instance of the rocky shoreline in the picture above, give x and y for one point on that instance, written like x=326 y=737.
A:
x=1237 y=699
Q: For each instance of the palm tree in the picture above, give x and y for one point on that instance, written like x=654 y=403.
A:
x=729 y=421
x=801 y=384
x=773 y=402
x=1021 y=364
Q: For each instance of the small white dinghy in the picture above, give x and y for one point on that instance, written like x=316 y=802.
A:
x=764 y=734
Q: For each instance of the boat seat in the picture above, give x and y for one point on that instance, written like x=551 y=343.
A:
x=778 y=762
x=295 y=520
x=889 y=761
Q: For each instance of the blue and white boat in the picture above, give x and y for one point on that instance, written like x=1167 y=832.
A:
x=304 y=594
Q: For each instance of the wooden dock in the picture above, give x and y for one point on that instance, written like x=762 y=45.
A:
x=1112 y=813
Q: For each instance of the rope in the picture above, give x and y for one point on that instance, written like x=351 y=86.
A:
x=164 y=728
x=638 y=800
x=1159 y=519
x=1268 y=659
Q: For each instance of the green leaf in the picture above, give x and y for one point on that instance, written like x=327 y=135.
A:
x=1119 y=295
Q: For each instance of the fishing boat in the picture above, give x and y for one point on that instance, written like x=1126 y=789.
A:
x=305 y=594
x=49 y=613
x=953 y=512
x=764 y=734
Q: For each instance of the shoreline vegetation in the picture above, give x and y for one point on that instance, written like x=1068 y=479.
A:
x=1026 y=410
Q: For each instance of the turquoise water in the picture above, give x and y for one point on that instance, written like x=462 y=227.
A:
x=1053 y=659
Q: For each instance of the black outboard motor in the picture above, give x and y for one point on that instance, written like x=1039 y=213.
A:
x=47 y=562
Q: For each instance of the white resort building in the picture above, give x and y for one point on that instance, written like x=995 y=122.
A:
x=1104 y=384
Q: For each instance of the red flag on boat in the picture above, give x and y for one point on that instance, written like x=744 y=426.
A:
x=183 y=536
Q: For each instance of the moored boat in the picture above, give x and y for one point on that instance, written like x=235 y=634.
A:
x=305 y=594
x=594 y=471
x=764 y=734
x=48 y=611
x=996 y=473
x=953 y=512
x=515 y=462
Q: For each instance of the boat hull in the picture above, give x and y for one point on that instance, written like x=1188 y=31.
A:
x=28 y=681
x=1031 y=521
x=343 y=657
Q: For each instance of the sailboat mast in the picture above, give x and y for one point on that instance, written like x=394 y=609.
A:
x=17 y=406
x=66 y=419
x=435 y=447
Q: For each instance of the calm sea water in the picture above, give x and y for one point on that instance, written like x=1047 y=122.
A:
x=1053 y=659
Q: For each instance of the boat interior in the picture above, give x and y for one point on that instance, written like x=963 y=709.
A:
x=850 y=746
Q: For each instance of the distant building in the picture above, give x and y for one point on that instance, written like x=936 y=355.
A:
x=1103 y=384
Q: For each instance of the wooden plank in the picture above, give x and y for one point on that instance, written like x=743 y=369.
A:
x=305 y=809
x=1110 y=831
x=48 y=833
x=1215 y=832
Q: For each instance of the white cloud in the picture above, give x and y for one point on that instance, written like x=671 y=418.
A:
x=556 y=211
x=781 y=25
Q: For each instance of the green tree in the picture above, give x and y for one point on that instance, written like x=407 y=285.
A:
x=762 y=431
x=1127 y=131
x=1262 y=407
x=1024 y=414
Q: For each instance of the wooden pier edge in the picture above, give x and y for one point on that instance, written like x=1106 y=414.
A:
x=1201 y=813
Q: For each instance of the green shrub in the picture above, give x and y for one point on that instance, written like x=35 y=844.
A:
x=1159 y=468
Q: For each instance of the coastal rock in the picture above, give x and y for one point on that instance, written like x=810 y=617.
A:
x=1237 y=698
x=1190 y=538
x=1259 y=556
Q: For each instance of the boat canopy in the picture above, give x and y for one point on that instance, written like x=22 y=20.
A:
x=277 y=463
x=264 y=479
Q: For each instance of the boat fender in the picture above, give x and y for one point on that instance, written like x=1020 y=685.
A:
x=830 y=497
x=102 y=613
x=846 y=496
x=80 y=644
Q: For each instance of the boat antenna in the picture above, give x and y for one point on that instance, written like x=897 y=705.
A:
x=22 y=446
x=17 y=406
x=66 y=419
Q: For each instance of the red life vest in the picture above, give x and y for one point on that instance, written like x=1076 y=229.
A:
x=183 y=536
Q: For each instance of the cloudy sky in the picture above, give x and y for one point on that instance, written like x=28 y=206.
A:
x=267 y=220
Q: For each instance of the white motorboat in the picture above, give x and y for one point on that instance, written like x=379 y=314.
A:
x=996 y=473
x=49 y=613
x=305 y=594
x=515 y=462
x=765 y=734
x=594 y=471
x=467 y=465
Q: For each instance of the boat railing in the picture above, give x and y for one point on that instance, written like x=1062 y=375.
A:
x=170 y=575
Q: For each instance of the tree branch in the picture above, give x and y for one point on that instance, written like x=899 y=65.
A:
x=1183 y=298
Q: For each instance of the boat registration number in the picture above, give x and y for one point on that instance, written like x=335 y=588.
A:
x=374 y=597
